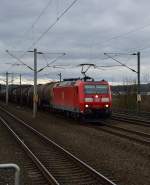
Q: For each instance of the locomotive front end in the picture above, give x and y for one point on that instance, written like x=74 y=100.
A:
x=97 y=100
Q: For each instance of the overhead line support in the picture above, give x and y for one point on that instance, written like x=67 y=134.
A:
x=7 y=88
x=138 y=54
x=139 y=84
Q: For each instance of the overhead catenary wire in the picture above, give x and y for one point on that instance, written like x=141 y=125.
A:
x=38 y=17
x=49 y=28
x=107 y=54
x=58 y=18
x=127 y=33
x=19 y=60
x=142 y=48
x=112 y=38
x=134 y=30
x=121 y=34
x=41 y=69
x=53 y=24
x=50 y=64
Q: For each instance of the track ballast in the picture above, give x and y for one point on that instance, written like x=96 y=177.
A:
x=57 y=165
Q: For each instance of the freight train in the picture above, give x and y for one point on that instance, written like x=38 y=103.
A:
x=73 y=97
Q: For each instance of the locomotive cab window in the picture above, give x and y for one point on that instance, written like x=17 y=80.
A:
x=96 y=89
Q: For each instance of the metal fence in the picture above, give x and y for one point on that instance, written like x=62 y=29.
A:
x=16 y=168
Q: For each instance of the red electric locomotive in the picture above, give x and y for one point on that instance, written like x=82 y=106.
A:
x=82 y=98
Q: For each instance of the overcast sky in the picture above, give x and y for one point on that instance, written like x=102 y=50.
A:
x=84 y=33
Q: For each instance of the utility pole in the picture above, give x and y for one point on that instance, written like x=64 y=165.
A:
x=7 y=88
x=35 y=85
x=35 y=96
x=138 y=54
x=139 y=84
x=20 y=91
x=12 y=78
x=60 y=76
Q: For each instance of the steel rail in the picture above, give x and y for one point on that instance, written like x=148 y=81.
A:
x=143 y=134
x=129 y=119
x=88 y=168
x=123 y=135
x=145 y=115
x=41 y=167
x=114 y=130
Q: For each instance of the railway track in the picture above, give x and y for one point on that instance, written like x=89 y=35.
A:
x=56 y=164
x=143 y=114
x=118 y=121
x=33 y=175
x=139 y=137
x=110 y=126
x=11 y=152
x=131 y=119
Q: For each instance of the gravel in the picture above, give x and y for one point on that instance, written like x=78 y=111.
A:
x=124 y=161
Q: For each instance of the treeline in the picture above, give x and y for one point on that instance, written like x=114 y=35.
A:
x=125 y=89
x=125 y=97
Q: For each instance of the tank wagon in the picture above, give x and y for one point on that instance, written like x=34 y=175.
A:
x=19 y=94
x=44 y=95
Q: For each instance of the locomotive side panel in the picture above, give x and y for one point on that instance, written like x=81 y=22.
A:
x=66 y=98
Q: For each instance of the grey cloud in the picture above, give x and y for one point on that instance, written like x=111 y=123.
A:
x=84 y=33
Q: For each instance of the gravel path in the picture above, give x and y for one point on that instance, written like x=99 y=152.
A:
x=128 y=163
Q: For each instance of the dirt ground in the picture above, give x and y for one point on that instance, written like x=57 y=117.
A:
x=126 y=162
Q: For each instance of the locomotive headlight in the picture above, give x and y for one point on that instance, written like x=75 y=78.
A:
x=106 y=105
x=105 y=100
x=86 y=106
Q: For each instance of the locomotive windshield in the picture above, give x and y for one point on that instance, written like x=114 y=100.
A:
x=96 y=89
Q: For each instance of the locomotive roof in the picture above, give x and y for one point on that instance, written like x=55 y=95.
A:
x=72 y=83
x=66 y=83
x=93 y=82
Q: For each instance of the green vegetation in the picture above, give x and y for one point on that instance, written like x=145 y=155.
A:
x=128 y=102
